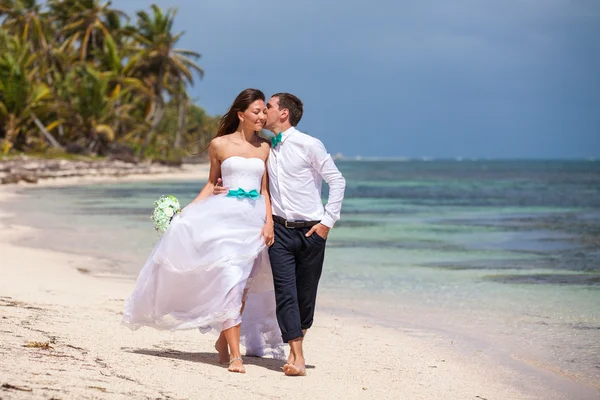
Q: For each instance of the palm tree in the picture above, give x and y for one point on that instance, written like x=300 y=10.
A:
x=23 y=18
x=161 y=61
x=183 y=101
x=118 y=68
x=95 y=106
x=21 y=96
x=85 y=22
x=71 y=66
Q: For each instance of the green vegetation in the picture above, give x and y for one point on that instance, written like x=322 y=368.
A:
x=78 y=76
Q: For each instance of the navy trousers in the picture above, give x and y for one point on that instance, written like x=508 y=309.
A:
x=297 y=263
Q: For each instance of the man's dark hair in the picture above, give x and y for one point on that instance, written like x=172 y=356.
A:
x=292 y=103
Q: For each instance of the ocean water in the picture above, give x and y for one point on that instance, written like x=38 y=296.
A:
x=503 y=252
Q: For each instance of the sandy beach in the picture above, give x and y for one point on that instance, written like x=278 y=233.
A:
x=61 y=338
x=116 y=172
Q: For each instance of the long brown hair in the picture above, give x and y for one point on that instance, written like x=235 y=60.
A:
x=230 y=121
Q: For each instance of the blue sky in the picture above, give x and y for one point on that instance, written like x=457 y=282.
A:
x=394 y=78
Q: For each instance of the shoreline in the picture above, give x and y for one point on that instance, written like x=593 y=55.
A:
x=42 y=172
x=531 y=372
x=424 y=363
x=63 y=338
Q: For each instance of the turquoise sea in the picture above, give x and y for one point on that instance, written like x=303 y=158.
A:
x=504 y=253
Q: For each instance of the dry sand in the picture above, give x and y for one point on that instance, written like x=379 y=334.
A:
x=61 y=338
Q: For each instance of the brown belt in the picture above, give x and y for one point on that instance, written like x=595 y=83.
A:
x=294 y=224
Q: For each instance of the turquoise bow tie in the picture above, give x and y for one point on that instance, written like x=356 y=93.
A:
x=275 y=140
x=241 y=193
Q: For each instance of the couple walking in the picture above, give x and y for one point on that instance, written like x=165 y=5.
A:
x=243 y=260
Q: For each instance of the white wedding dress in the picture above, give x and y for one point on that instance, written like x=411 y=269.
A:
x=211 y=258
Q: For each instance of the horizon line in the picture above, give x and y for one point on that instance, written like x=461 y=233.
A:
x=459 y=158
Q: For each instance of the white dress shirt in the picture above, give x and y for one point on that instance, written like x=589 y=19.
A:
x=297 y=167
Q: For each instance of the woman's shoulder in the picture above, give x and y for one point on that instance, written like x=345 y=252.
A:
x=218 y=141
x=219 y=144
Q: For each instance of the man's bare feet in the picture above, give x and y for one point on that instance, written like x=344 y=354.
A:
x=295 y=368
x=290 y=360
x=222 y=349
x=236 y=365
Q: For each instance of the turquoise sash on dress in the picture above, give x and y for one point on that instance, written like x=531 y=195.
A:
x=241 y=193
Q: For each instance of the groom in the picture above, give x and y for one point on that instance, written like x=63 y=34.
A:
x=297 y=166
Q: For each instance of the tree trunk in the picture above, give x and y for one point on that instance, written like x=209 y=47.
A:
x=157 y=118
x=92 y=144
x=158 y=113
x=47 y=134
x=183 y=102
x=93 y=44
x=153 y=106
x=49 y=79
x=148 y=117
x=11 y=133
x=117 y=128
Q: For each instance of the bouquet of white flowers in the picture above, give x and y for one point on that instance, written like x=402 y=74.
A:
x=165 y=209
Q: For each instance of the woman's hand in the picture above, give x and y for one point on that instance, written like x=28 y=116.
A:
x=268 y=234
x=219 y=189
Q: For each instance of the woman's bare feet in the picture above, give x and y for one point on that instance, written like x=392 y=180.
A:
x=295 y=368
x=236 y=365
x=222 y=349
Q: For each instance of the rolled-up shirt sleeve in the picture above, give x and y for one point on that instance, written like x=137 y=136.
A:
x=323 y=163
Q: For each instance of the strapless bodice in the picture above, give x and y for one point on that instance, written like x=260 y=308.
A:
x=241 y=172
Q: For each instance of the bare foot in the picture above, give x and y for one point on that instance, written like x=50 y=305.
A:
x=236 y=365
x=296 y=368
x=221 y=347
x=290 y=360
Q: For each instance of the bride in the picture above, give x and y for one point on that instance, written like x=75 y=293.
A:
x=210 y=269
